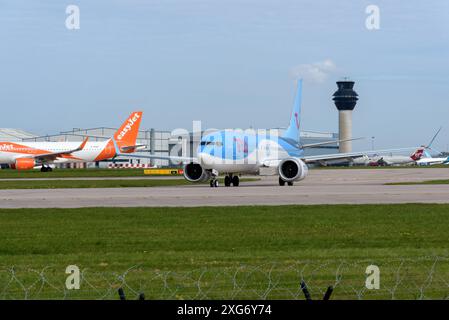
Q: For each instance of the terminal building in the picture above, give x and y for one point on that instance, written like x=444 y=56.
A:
x=157 y=142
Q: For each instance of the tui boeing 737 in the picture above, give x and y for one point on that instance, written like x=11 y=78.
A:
x=234 y=152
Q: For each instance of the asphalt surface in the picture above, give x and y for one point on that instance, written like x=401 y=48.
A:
x=350 y=186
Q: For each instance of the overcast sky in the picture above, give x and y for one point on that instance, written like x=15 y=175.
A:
x=228 y=63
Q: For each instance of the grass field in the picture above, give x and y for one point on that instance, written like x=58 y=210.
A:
x=71 y=173
x=116 y=183
x=58 y=184
x=239 y=252
x=419 y=182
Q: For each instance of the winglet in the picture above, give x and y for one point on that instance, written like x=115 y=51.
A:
x=83 y=144
x=433 y=139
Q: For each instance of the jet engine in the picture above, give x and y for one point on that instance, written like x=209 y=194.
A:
x=292 y=169
x=194 y=172
x=24 y=164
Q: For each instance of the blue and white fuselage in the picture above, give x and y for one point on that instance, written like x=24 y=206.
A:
x=235 y=151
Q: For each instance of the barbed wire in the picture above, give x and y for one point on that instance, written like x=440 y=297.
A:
x=417 y=278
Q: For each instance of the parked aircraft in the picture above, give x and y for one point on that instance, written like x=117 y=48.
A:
x=390 y=160
x=27 y=155
x=420 y=157
x=428 y=160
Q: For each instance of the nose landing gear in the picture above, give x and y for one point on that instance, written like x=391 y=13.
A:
x=214 y=183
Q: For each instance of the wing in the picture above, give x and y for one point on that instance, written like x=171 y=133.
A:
x=314 y=145
x=335 y=156
x=350 y=155
x=46 y=157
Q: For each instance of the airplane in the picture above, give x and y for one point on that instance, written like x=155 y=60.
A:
x=390 y=160
x=28 y=155
x=415 y=158
x=235 y=152
x=429 y=160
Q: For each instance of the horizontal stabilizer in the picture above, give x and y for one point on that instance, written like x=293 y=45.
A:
x=136 y=147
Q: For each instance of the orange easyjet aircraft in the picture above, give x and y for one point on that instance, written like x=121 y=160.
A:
x=27 y=155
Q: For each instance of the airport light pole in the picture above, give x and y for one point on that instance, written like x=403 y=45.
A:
x=345 y=99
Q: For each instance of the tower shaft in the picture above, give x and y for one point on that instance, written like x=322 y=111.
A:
x=345 y=130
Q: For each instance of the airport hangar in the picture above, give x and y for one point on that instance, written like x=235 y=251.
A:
x=158 y=142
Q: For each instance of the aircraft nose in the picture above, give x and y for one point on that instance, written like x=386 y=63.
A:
x=201 y=157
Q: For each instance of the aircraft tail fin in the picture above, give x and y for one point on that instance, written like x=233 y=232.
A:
x=126 y=135
x=293 y=129
x=417 y=154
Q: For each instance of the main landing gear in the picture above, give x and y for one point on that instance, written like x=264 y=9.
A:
x=46 y=169
x=282 y=182
x=231 y=179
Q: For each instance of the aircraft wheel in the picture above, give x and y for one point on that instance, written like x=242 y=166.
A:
x=49 y=169
x=281 y=182
x=213 y=183
x=227 y=181
x=44 y=169
x=235 y=181
x=290 y=183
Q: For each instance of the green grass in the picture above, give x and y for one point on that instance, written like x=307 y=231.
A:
x=418 y=182
x=71 y=173
x=225 y=252
x=60 y=184
x=116 y=183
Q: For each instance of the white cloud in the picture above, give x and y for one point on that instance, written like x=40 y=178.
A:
x=317 y=72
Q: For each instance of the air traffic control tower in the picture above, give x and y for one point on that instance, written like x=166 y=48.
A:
x=345 y=99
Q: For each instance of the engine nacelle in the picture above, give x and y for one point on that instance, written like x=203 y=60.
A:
x=24 y=164
x=194 y=172
x=292 y=169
